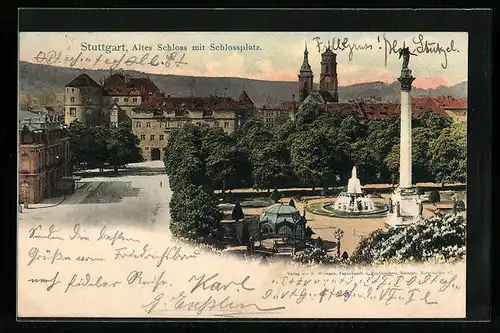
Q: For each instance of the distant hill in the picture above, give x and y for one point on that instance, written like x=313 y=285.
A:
x=44 y=78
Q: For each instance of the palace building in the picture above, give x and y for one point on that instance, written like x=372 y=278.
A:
x=158 y=115
x=89 y=102
x=44 y=158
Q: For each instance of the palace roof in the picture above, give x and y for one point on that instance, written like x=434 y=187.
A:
x=83 y=80
x=125 y=85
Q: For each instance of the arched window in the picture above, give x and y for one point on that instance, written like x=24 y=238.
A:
x=285 y=230
x=266 y=229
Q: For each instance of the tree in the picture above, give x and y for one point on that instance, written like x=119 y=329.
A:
x=306 y=115
x=275 y=195
x=271 y=165
x=434 y=196
x=80 y=137
x=194 y=214
x=291 y=203
x=448 y=155
x=314 y=158
x=97 y=152
x=237 y=213
x=222 y=158
x=123 y=146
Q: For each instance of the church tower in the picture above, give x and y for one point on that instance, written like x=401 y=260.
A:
x=305 y=76
x=328 y=78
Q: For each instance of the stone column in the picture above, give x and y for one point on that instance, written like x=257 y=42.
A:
x=405 y=156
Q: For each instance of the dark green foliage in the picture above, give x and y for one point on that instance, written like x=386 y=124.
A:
x=122 y=146
x=434 y=196
x=237 y=213
x=275 y=195
x=96 y=146
x=194 y=214
x=291 y=203
x=314 y=158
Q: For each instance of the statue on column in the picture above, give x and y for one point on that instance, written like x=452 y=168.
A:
x=405 y=53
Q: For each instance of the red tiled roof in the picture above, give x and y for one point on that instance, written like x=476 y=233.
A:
x=83 y=80
x=428 y=103
x=450 y=102
x=162 y=102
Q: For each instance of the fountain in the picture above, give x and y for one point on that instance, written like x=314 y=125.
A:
x=353 y=203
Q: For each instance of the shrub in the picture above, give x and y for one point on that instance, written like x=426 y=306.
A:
x=237 y=213
x=434 y=196
x=291 y=203
x=275 y=195
x=460 y=205
x=437 y=238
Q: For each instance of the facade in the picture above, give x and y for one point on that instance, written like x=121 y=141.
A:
x=89 y=102
x=44 y=157
x=158 y=116
x=84 y=101
x=123 y=93
x=269 y=114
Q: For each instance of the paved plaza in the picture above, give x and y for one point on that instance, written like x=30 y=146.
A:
x=129 y=199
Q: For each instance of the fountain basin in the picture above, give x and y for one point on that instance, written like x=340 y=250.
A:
x=328 y=209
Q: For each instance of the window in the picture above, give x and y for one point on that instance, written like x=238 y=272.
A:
x=116 y=99
x=148 y=124
x=179 y=125
x=72 y=90
x=143 y=136
x=125 y=99
x=72 y=112
x=72 y=99
x=146 y=148
x=161 y=137
x=138 y=123
x=162 y=124
x=134 y=99
x=226 y=124
x=152 y=137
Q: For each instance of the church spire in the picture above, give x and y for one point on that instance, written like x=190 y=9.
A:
x=305 y=63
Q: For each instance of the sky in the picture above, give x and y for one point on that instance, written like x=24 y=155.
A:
x=441 y=57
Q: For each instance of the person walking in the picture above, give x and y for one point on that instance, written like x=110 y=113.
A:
x=161 y=184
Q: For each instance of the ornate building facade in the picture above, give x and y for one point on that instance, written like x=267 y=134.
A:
x=158 y=116
x=44 y=157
